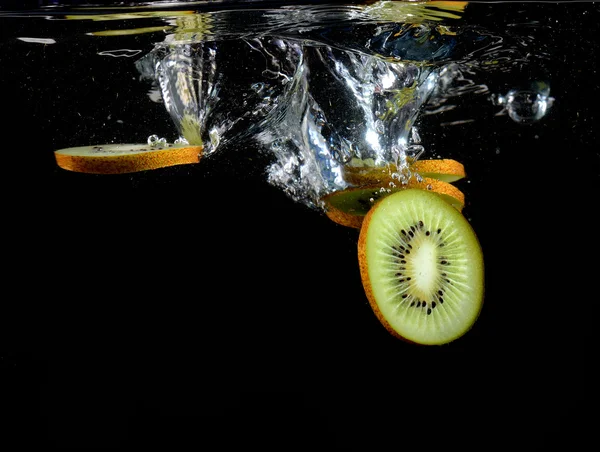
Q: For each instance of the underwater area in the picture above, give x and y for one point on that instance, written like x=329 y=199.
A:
x=163 y=306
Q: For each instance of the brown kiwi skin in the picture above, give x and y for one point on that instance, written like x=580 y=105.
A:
x=364 y=273
x=344 y=219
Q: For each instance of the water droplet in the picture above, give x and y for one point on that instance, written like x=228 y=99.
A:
x=415 y=135
x=215 y=138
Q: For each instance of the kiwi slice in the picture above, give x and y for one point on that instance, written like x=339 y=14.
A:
x=365 y=173
x=125 y=158
x=422 y=267
x=348 y=207
x=447 y=170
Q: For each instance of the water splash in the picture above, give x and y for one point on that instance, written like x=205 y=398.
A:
x=321 y=88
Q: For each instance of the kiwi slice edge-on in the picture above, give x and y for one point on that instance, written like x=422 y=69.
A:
x=422 y=267
x=348 y=207
x=125 y=158
x=446 y=170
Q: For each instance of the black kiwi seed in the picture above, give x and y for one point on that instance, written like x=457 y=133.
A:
x=413 y=303
x=428 y=311
x=433 y=305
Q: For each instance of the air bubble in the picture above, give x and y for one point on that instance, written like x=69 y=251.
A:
x=415 y=151
x=257 y=87
x=527 y=104
x=155 y=141
x=415 y=135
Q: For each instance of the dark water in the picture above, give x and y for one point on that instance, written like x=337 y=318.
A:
x=166 y=307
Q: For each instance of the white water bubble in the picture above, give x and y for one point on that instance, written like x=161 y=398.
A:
x=526 y=106
x=415 y=135
x=415 y=150
x=154 y=141
x=257 y=87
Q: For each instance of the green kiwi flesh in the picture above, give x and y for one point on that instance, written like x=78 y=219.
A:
x=422 y=267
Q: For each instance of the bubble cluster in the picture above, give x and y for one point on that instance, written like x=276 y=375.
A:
x=155 y=141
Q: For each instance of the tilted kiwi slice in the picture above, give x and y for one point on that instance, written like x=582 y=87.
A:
x=363 y=172
x=422 y=267
x=348 y=207
x=446 y=170
x=125 y=158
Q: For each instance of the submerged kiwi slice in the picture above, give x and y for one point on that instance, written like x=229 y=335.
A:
x=422 y=267
x=125 y=158
x=363 y=172
x=348 y=207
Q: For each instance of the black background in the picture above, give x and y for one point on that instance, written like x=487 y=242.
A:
x=195 y=305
